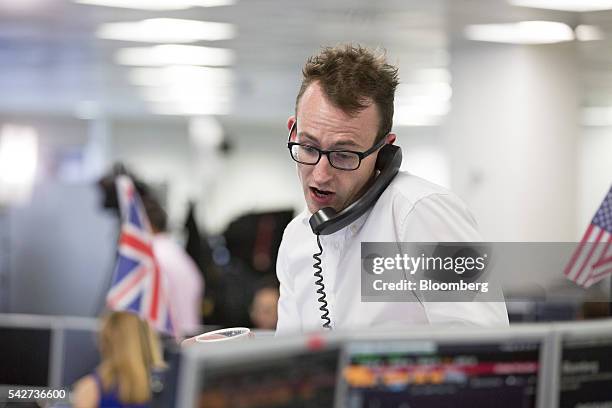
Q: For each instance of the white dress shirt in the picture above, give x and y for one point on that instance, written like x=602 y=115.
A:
x=410 y=210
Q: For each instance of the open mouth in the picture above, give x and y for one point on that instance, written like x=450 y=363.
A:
x=321 y=193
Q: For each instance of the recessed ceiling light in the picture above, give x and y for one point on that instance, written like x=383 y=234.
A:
x=565 y=5
x=166 y=30
x=173 y=54
x=524 y=32
x=157 y=5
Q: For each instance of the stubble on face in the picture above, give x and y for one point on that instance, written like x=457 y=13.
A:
x=325 y=126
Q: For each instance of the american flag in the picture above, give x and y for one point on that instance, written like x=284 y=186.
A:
x=138 y=284
x=592 y=260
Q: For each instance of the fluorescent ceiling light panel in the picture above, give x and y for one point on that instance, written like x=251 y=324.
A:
x=422 y=104
x=186 y=94
x=434 y=91
x=167 y=30
x=409 y=118
x=180 y=75
x=173 y=54
x=428 y=113
x=428 y=110
x=565 y=5
x=429 y=75
x=524 y=32
x=190 y=109
x=157 y=5
x=18 y=155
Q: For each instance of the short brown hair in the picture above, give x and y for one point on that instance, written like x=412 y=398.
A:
x=351 y=76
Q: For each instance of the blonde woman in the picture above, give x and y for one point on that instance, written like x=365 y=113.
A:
x=129 y=351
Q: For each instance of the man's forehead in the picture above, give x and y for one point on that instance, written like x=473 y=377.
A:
x=319 y=130
x=339 y=139
x=318 y=117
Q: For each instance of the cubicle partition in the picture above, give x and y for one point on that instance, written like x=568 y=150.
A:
x=522 y=366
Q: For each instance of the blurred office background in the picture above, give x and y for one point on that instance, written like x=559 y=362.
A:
x=193 y=97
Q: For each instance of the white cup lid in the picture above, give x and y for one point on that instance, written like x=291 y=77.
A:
x=229 y=333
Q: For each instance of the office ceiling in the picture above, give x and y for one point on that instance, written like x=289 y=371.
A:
x=52 y=63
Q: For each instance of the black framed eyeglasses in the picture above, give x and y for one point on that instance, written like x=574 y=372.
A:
x=339 y=159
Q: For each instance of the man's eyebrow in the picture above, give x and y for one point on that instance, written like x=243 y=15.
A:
x=346 y=142
x=339 y=143
x=304 y=135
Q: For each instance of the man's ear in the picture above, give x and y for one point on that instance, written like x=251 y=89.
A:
x=290 y=122
x=391 y=138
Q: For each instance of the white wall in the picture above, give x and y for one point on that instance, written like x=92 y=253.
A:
x=157 y=152
x=259 y=175
x=424 y=153
x=512 y=137
x=594 y=173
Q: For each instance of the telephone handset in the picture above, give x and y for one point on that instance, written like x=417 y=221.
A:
x=326 y=221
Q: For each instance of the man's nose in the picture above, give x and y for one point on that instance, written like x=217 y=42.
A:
x=323 y=171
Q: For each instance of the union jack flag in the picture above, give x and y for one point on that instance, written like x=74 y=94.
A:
x=592 y=260
x=138 y=284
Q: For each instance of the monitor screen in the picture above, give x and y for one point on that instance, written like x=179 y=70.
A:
x=307 y=379
x=586 y=372
x=407 y=374
x=80 y=354
x=24 y=356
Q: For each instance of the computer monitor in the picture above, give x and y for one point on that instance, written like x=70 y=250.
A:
x=46 y=351
x=462 y=369
x=584 y=371
x=80 y=355
x=272 y=373
x=25 y=356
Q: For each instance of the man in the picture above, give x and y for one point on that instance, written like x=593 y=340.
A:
x=346 y=103
x=185 y=283
x=265 y=303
